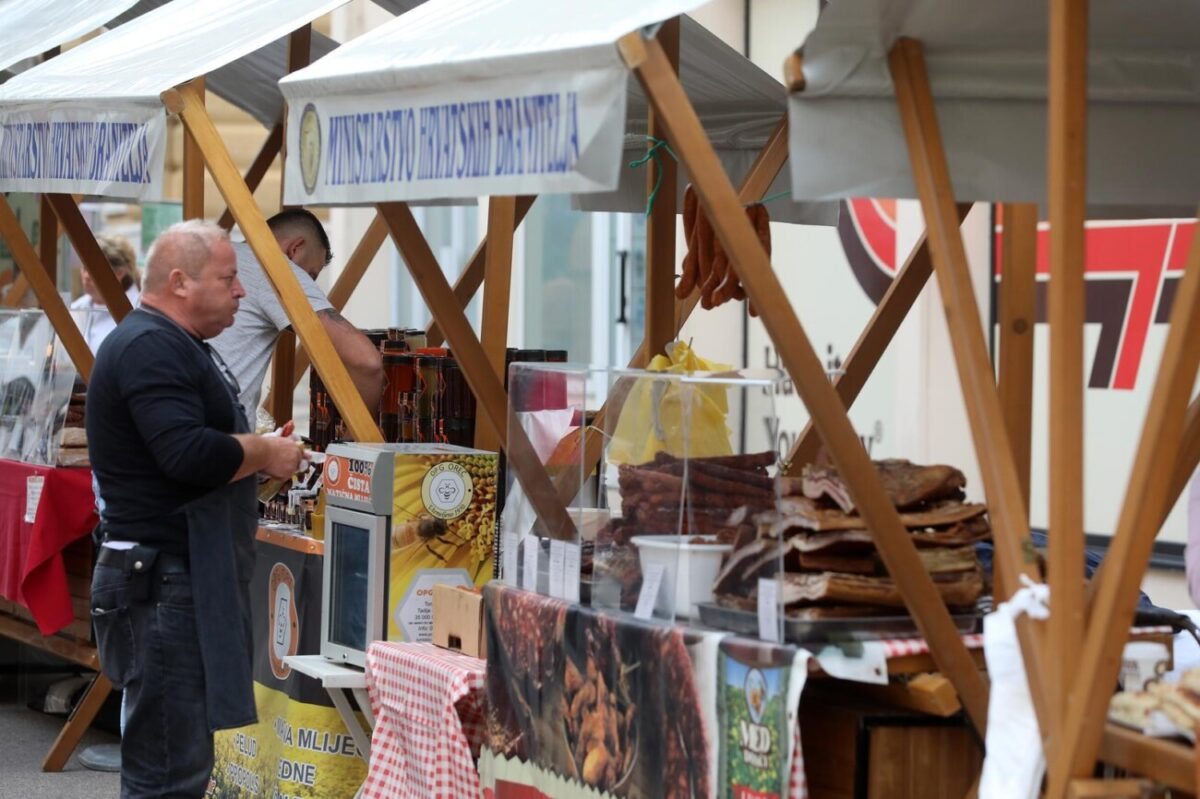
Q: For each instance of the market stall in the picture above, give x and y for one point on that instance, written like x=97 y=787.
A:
x=117 y=150
x=967 y=93
x=579 y=73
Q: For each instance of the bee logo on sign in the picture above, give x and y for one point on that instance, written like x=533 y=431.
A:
x=283 y=624
x=447 y=490
x=310 y=147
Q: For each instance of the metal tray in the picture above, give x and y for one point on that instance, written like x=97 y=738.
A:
x=867 y=628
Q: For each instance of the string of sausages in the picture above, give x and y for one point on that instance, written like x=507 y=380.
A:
x=706 y=267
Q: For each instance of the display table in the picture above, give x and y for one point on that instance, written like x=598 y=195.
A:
x=46 y=515
x=35 y=529
x=429 y=721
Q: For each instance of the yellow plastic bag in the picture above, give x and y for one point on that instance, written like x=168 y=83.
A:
x=656 y=413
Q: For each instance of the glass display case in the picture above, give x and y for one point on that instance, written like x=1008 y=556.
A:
x=36 y=380
x=659 y=489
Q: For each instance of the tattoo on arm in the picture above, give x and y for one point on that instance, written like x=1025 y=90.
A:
x=332 y=315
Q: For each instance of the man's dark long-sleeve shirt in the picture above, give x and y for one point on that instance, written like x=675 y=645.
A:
x=159 y=419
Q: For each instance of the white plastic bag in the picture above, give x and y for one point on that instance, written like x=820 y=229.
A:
x=1015 y=762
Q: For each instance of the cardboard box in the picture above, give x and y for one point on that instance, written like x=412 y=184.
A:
x=458 y=620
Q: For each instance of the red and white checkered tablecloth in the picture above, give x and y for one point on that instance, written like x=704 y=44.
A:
x=429 y=721
x=906 y=647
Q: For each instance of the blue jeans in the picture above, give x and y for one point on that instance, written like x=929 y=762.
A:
x=146 y=637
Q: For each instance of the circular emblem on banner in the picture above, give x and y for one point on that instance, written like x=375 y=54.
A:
x=756 y=694
x=447 y=490
x=283 y=624
x=310 y=147
x=333 y=471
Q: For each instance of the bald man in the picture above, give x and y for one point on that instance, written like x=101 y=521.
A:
x=175 y=465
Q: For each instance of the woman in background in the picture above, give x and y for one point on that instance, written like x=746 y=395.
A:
x=97 y=322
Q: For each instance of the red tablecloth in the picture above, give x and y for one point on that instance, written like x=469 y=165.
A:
x=429 y=721
x=31 y=564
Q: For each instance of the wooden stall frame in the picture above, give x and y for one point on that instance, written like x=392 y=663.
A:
x=647 y=59
x=1073 y=717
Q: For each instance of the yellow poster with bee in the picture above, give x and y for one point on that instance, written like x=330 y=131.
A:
x=443 y=528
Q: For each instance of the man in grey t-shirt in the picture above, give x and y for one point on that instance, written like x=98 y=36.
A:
x=248 y=345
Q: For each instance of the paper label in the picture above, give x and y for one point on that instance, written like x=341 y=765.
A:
x=558 y=557
x=571 y=572
x=532 y=548
x=768 y=610
x=33 y=497
x=651 y=583
x=509 y=552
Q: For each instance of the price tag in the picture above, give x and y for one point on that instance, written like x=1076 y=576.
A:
x=33 y=497
x=509 y=552
x=532 y=548
x=558 y=558
x=768 y=610
x=651 y=583
x=571 y=573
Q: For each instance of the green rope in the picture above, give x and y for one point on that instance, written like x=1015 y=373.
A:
x=772 y=198
x=653 y=154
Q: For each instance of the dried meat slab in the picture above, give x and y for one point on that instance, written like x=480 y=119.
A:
x=936 y=560
x=906 y=483
x=805 y=513
x=745 y=561
x=831 y=588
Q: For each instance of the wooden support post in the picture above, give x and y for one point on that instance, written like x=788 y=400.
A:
x=1017 y=312
x=471 y=277
x=497 y=290
x=1116 y=587
x=193 y=166
x=187 y=102
x=282 y=367
x=932 y=176
x=93 y=258
x=56 y=310
x=81 y=718
x=891 y=312
x=747 y=256
x=1065 y=308
x=258 y=168
x=48 y=238
x=492 y=402
x=662 y=177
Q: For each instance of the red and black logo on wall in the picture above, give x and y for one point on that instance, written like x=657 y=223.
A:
x=1133 y=271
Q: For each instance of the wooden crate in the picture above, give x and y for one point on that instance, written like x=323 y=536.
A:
x=858 y=749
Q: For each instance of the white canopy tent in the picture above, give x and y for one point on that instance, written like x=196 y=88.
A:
x=249 y=82
x=32 y=28
x=91 y=120
x=517 y=97
x=988 y=69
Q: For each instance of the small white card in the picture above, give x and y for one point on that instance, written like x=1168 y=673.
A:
x=768 y=610
x=571 y=573
x=651 y=584
x=509 y=546
x=558 y=558
x=33 y=497
x=533 y=548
